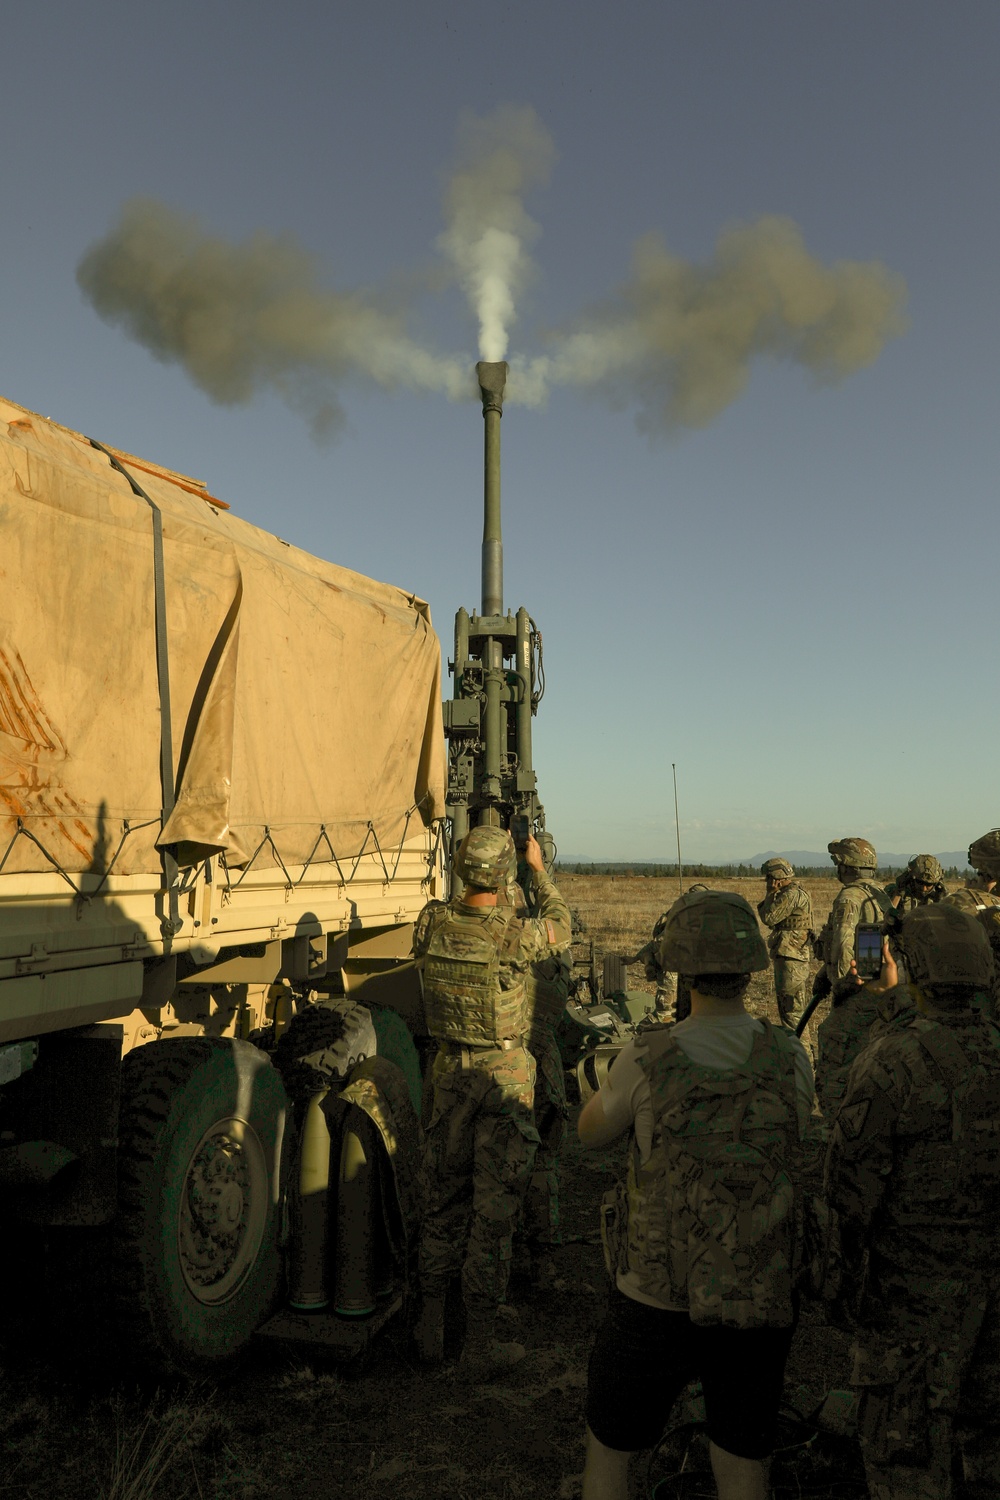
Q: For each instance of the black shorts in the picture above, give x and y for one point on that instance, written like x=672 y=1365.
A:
x=643 y=1357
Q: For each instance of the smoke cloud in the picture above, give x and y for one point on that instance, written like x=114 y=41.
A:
x=239 y=318
x=488 y=232
x=676 y=341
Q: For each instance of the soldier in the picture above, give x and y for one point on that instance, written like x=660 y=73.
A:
x=843 y=1033
x=703 y=1283
x=913 y=1170
x=922 y=881
x=861 y=900
x=787 y=910
x=980 y=893
x=481 y=1139
x=981 y=898
x=672 y=993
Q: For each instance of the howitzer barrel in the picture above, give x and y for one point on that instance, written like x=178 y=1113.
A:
x=492 y=376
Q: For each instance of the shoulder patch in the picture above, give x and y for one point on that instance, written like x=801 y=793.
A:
x=550 y=931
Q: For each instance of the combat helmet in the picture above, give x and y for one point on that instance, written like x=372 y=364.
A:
x=485 y=857
x=984 y=854
x=926 y=869
x=780 y=869
x=857 y=853
x=711 y=932
x=945 y=945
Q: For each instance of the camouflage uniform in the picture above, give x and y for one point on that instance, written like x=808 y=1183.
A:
x=788 y=913
x=855 y=1018
x=547 y=992
x=859 y=900
x=481 y=1138
x=982 y=898
x=913 y=1170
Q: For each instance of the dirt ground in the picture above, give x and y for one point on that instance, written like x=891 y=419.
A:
x=292 y=1422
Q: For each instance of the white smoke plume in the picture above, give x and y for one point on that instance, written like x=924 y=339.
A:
x=488 y=231
x=676 y=341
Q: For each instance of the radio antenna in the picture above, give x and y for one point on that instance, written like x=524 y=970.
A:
x=677 y=826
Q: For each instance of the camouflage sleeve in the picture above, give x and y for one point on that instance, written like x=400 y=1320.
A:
x=422 y=927
x=551 y=928
x=859 y=1159
x=780 y=904
x=843 y=920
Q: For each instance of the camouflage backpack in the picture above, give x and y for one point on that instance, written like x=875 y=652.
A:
x=712 y=1216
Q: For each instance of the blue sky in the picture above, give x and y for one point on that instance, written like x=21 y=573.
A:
x=793 y=603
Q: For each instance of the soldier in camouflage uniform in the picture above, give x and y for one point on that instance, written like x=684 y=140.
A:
x=982 y=899
x=701 y=1239
x=481 y=1139
x=860 y=900
x=841 y=1036
x=673 y=992
x=787 y=910
x=913 y=1170
x=921 y=882
x=980 y=894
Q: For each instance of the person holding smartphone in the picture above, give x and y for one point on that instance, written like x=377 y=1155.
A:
x=860 y=902
x=913 y=1171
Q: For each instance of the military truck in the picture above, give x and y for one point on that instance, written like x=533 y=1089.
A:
x=221 y=809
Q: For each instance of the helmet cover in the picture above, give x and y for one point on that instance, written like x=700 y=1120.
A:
x=855 y=852
x=485 y=857
x=926 y=869
x=711 y=932
x=945 y=945
x=780 y=869
x=984 y=853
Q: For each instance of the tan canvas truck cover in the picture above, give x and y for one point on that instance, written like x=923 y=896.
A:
x=305 y=720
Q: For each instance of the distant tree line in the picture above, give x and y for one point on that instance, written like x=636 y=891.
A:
x=655 y=871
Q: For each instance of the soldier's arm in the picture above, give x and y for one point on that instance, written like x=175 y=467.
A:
x=551 y=928
x=843 y=921
x=781 y=904
x=422 y=927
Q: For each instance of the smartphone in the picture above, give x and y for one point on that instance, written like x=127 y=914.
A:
x=868 y=950
x=520 y=829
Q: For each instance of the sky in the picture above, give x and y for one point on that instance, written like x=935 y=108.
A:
x=755 y=526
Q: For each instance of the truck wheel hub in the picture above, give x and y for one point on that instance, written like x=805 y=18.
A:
x=223 y=1206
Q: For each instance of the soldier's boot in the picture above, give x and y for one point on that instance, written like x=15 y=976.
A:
x=483 y=1356
x=428 y=1331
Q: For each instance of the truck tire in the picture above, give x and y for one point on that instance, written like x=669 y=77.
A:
x=196 y=1262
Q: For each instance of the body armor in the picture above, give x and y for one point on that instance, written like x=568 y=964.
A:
x=711 y=1214
x=471 y=994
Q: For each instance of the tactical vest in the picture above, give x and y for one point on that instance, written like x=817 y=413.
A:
x=471 y=995
x=712 y=1221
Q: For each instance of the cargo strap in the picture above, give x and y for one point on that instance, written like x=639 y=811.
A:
x=170 y=923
